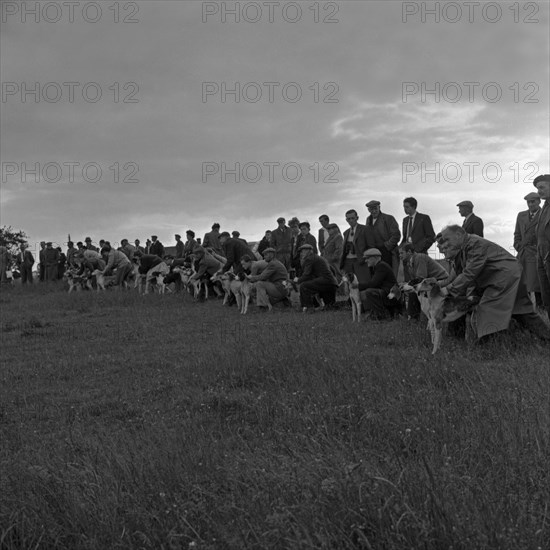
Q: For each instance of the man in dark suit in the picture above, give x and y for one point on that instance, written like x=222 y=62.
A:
x=374 y=294
x=383 y=233
x=316 y=278
x=473 y=225
x=156 y=248
x=542 y=183
x=525 y=242
x=233 y=251
x=179 y=246
x=417 y=229
x=281 y=241
x=355 y=243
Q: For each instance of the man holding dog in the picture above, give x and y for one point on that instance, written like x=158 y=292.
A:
x=493 y=274
x=118 y=261
x=374 y=294
x=269 y=276
x=316 y=278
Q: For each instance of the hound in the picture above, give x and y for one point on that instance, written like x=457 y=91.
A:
x=230 y=285
x=352 y=284
x=441 y=309
x=77 y=282
x=102 y=281
x=246 y=288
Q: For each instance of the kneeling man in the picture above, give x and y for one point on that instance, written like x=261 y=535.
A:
x=269 y=278
x=374 y=293
x=494 y=275
x=317 y=278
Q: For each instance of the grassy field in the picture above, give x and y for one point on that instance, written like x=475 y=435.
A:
x=153 y=422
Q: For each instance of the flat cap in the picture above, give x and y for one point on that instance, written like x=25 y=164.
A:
x=469 y=204
x=281 y=219
x=372 y=203
x=272 y=250
x=177 y=236
x=154 y=237
x=87 y=240
x=531 y=196
x=372 y=252
x=305 y=247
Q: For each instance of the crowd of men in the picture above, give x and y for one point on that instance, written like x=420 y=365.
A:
x=507 y=286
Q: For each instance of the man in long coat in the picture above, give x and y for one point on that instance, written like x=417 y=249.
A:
x=525 y=242
x=496 y=277
x=383 y=233
x=542 y=183
x=281 y=241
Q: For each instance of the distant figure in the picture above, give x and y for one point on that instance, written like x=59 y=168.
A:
x=42 y=259
x=525 y=242
x=61 y=263
x=473 y=225
x=89 y=244
x=139 y=248
x=179 y=246
x=4 y=262
x=51 y=260
x=25 y=261
x=190 y=243
x=71 y=251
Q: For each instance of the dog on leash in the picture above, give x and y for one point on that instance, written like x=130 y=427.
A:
x=352 y=286
x=441 y=309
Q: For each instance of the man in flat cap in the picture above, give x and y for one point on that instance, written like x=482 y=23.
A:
x=156 y=248
x=383 y=233
x=374 y=293
x=542 y=183
x=473 y=225
x=212 y=239
x=316 y=278
x=281 y=241
x=269 y=281
x=525 y=242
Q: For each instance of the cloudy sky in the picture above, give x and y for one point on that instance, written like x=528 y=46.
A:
x=338 y=103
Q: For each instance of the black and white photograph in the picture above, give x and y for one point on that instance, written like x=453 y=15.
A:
x=274 y=275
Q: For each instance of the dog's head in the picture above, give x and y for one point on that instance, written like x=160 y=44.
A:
x=428 y=287
x=395 y=293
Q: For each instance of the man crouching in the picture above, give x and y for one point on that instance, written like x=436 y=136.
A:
x=493 y=274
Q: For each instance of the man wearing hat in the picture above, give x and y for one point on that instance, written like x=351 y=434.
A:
x=473 y=225
x=383 y=233
x=525 y=242
x=179 y=246
x=316 y=278
x=269 y=282
x=89 y=244
x=233 y=251
x=281 y=241
x=374 y=294
x=190 y=243
x=542 y=183
x=212 y=239
x=156 y=248
x=304 y=237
